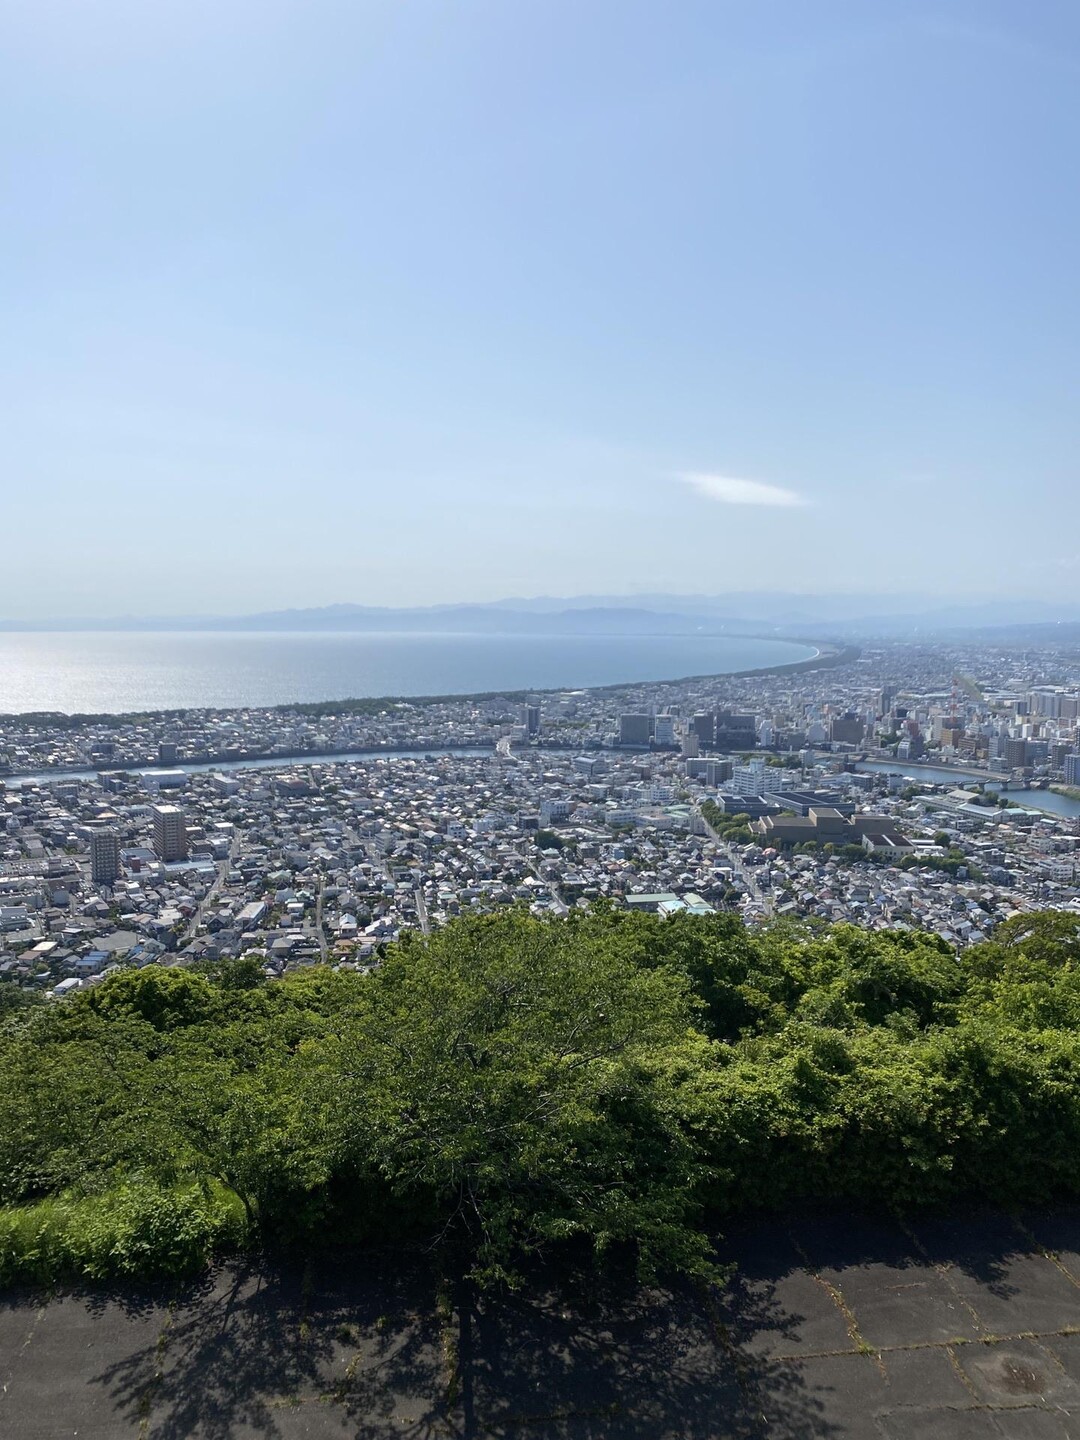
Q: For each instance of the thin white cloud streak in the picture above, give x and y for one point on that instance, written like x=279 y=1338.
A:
x=727 y=490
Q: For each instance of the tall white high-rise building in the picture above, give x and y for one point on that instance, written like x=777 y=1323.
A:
x=664 y=731
x=170 y=833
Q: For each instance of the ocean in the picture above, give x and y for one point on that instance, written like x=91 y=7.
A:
x=93 y=672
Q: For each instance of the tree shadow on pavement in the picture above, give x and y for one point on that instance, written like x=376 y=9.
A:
x=362 y=1347
x=254 y=1343
x=227 y=1351
x=613 y=1361
x=363 y=1350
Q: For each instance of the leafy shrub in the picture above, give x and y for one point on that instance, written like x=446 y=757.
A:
x=139 y=1231
x=511 y=1083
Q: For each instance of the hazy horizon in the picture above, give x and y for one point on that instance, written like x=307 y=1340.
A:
x=399 y=305
x=768 y=609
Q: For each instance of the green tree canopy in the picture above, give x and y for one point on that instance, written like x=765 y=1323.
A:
x=614 y=1079
x=524 y=1084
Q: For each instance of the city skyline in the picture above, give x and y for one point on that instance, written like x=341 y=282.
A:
x=399 y=306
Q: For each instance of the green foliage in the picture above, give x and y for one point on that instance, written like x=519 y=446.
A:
x=139 y=1231
x=243 y=972
x=520 y=1082
x=1051 y=937
x=16 y=997
x=735 y=829
x=950 y=864
x=510 y=1084
x=165 y=999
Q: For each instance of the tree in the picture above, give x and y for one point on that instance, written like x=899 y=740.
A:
x=15 y=997
x=243 y=972
x=258 y=1128
x=74 y=1101
x=1052 y=937
x=522 y=1084
x=165 y=998
x=509 y=1084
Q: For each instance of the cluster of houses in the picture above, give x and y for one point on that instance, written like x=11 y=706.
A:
x=151 y=853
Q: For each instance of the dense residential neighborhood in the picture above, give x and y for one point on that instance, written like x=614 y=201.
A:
x=321 y=833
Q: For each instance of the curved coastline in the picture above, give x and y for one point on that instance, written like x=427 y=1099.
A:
x=826 y=654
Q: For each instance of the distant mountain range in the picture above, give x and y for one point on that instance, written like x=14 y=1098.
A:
x=741 y=613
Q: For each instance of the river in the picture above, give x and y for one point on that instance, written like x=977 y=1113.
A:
x=1062 y=805
x=1046 y=800
x=270 y=762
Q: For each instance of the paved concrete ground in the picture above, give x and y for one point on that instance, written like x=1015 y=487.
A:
x=831 y=1327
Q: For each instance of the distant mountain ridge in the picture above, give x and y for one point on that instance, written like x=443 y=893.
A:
x=739 y=613
x=460 y=619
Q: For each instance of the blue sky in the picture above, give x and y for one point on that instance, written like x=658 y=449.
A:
x=416 y=302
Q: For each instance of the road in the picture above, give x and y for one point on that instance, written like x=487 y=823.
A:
x=421 y=911
x=739 y=869
x=320 y=934
x=561 y=907
x=224 y=866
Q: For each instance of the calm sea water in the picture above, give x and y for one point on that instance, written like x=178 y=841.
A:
x=114 y=671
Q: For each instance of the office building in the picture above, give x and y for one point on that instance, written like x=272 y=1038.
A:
x=1072 y=770
x=170 y=833
x=555 y=810
x=1016 y=753
x=635 y=730
x=749 y=779
x=163 y=779
x=529 y=718
x=801 y=802
x=735 y=732
x=704 y=727
x=718 y=771
x=847 y=730
x=664 y=730
x=753 y=805
x=590 y=765
x=104 y=857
